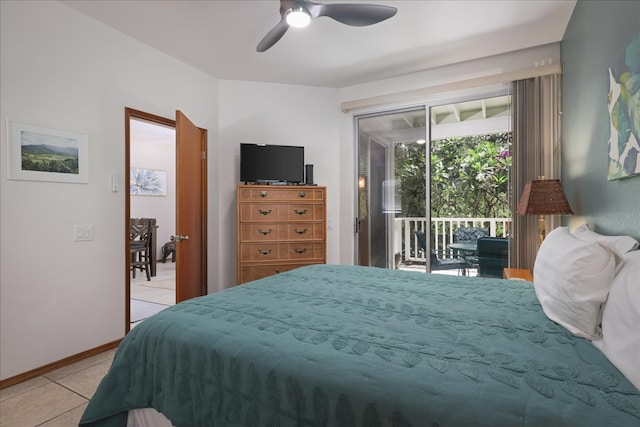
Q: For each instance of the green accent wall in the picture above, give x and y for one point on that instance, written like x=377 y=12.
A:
x=595 y=39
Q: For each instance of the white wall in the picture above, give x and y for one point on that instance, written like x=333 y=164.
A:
x=63 y=70
x=276 y=114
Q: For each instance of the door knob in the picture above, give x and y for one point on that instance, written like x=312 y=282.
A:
x=179 y=237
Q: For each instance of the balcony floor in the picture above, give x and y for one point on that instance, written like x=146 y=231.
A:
x=473 y=272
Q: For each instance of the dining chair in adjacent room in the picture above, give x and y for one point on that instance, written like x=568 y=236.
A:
x=139 y=246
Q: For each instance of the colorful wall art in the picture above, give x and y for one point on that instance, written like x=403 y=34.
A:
x=624 y=112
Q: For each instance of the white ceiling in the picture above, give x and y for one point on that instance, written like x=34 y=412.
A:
x=220 y=37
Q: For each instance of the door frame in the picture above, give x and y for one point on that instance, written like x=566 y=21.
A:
x=131 y=113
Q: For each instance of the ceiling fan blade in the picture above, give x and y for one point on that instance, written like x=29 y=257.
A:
x=273 y=36
x=356 y=15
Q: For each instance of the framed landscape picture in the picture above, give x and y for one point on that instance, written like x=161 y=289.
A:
x=38 y=153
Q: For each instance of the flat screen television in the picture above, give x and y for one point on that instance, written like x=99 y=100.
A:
x=271 y=163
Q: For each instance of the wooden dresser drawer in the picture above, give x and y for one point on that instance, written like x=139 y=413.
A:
x=301 y=231
x=304 y=212
x=249 y=273
x=280 y=194
x=301 y=250
x=270 y=212
x=267 y=232
x=267 y=251
x=263 y=212
x=263 y=232
x=281 y=251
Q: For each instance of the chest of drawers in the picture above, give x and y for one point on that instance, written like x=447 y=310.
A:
x=279 y=229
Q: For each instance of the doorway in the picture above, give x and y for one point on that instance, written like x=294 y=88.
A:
x=166 y=184
x=152 y=172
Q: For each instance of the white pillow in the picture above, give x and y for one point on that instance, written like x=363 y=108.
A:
x=572 y=279
x=619 y=245
x=621 y=320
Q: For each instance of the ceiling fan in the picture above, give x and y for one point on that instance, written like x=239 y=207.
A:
x=298 y=13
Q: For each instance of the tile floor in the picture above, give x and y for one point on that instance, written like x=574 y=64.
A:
x=160 y=290
x=58 y=398
x=162 y=287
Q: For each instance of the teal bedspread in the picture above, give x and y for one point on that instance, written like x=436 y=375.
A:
x=332 y=345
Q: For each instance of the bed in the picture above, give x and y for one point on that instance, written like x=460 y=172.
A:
x=329 y=345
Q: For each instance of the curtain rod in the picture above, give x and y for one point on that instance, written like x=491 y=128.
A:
x=410 y=95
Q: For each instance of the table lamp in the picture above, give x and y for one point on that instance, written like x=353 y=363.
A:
x=543 y=197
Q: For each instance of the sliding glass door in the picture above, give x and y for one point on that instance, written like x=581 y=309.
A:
x=427 y=176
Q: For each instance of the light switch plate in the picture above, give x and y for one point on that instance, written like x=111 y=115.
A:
x=115 y=185
x=83 y=233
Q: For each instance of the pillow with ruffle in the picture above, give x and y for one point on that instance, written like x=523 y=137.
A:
x=619 y=245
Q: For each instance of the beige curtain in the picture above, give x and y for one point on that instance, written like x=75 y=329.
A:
x=536 y=152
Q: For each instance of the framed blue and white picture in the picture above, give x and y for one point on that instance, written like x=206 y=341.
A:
x=147 y=182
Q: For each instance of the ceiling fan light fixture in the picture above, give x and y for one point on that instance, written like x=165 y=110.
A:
x=298 y=17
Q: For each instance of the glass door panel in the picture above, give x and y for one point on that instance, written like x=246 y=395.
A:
x=391 y=189
x=469 y=174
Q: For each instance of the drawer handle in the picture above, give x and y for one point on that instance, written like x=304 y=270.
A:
x=264 y=212
x=263 y=194
x=265 y=232
x=300 y=231
x=300 y=251
x=300 y=211
x=264 y=251
x=302 y=194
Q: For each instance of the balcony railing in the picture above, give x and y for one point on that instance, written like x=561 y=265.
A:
x=442 y=234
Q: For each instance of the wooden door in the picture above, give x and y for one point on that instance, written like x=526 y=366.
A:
x=191 y=208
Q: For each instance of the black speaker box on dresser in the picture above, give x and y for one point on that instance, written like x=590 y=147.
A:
x=308 y=172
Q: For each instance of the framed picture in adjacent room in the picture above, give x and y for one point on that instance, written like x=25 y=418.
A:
x=147 y=182
x=38 y=153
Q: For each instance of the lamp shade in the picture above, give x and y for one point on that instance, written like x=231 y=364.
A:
x=543 y=197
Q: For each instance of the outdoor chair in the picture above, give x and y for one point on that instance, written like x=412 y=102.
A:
x=438 y=263
x=470 y=235
x=493 y=256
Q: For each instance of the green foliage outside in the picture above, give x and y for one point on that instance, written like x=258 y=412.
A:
x=50 y=163
x=469 y=177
